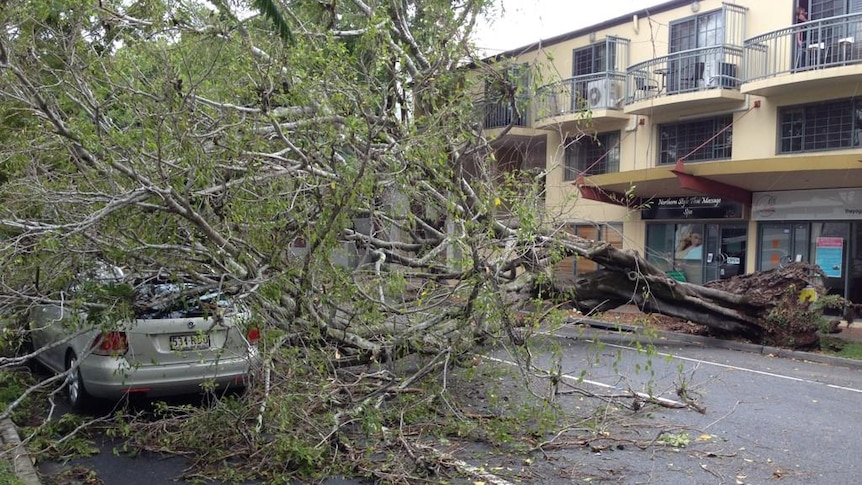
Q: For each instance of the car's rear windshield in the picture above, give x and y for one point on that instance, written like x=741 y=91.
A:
x=177 y=300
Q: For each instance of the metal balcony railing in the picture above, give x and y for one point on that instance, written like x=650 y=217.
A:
x=688 y=71
x=498 y=114
x=818 y=44
x=604 y=90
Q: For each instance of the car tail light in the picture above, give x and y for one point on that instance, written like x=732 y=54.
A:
x=253 y=335
x=111 y=343
x=136 y=390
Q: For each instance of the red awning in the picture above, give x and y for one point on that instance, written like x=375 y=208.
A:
x=703 y=185
x=591 y=192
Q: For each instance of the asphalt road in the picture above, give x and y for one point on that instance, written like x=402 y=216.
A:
x=767 y=418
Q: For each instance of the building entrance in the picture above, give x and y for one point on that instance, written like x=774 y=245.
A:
x=700 y=252
x=835 y=246
x=725 y=256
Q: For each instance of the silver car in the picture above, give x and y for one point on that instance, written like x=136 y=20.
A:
x=187 y=343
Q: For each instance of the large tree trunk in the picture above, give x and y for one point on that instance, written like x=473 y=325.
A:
x=763 y=307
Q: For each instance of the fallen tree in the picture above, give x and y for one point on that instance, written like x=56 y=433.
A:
x=322 y=161
x=766 y=307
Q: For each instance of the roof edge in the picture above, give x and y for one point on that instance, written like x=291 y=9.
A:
x=622 y=19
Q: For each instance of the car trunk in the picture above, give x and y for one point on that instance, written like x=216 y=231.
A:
x=176 y=323
x=178 y=340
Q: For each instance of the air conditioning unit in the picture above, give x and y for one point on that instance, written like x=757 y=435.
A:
x=723 y=75
x=604 y=94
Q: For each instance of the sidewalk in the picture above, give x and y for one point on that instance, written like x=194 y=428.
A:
x=9 y=441
x=854 y=333
x=847 y=332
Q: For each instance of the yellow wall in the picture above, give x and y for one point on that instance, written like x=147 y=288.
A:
x=754 y=131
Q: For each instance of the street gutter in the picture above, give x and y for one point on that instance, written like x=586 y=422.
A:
x=714 y=342
x=20 y=458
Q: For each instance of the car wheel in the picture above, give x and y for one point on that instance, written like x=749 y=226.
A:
x=75 y=389
x=28 y=348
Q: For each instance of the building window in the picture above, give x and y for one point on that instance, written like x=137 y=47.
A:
x=689 y=40
x=595 y=63
x=695 y=140
x=822 y=9
x=612 y=233
x=607 y=232
x=593 y=155
x=824 y=126
x=593 y=59
x=678 y=250
x=702 y=30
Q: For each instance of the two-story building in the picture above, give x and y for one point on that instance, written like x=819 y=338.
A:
x=715 y=137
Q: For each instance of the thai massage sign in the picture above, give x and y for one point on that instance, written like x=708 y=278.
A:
x=828 y=255
x=692 y=207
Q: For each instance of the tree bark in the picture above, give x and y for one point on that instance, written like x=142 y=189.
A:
x=764 y=307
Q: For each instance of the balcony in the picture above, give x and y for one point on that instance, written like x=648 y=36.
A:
x=703 y=79
x=501 y=115
x=594 y=93
x=598 y=97
x=810 y=55
x=810 y=171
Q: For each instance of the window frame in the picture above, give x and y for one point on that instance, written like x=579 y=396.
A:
x=674 y=39
x=603 y=229
x=608 y=55
x=578 y=160
x=819 y=10
x=723 y=142
x=824 y=126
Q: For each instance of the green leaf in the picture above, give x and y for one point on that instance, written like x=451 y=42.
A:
x=270 y=10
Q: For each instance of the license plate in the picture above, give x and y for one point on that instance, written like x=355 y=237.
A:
x=196 y=341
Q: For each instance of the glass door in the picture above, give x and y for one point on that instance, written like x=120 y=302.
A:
x=687 y=69
x=782 y=244
x=725 y=254
x=731 y=256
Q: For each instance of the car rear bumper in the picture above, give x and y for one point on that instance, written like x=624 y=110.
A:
x=113 y=378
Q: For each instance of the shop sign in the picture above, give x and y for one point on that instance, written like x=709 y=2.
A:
x=811 y=205
x=692 y=207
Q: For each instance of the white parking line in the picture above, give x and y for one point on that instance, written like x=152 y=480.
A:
x=642 y=395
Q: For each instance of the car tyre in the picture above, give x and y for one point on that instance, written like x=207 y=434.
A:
x=75 y=389
x=28 y=348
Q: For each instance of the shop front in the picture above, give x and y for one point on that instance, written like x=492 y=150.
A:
x=823 y=227
x=696 y=238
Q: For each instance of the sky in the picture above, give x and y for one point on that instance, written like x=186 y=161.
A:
x=526 y=21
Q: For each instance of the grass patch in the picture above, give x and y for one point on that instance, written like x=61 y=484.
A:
x=7 y=472
x=841 y=348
